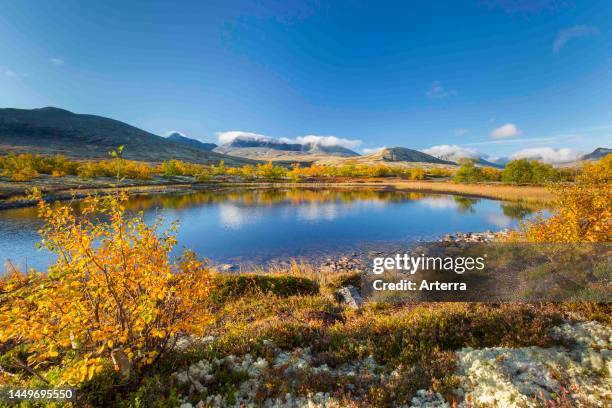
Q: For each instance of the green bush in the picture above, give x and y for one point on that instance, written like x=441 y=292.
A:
x=525 y=171
x=468 y=172
x=235 y=286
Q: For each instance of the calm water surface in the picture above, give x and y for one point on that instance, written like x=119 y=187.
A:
x=263 y=225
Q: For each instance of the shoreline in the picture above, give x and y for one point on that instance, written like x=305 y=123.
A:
x=13 y=195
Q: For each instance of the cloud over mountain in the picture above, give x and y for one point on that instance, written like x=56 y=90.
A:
x=228 y=137
x=368 y=150
x=548 y=154
x=327 y=141
x=452 y=152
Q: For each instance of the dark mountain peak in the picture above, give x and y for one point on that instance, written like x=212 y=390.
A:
x=275 y=144
x=53 y=130
x=52 y=109
x=179 y=138
x=597 y=154
x=269 y=143
x=487 y=163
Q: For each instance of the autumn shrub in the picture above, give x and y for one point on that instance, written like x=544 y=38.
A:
x=219 y=169
x=248 y=172
x=468 y=172
x=116 y=168
x=25 y=167
x=170 y=168
x=113 y=291
x=416 y=173
x=491 y=174
x=270 y=171
x=439 y=172
x=582 y=210
x=352 y=169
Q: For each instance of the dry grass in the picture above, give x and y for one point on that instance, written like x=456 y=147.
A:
x=530 y=194
x=489 y=190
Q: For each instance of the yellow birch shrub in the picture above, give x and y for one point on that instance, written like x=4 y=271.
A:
x=114 y=288
x=582 y=209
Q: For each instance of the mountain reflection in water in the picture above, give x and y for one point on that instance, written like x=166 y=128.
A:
x=259 y=225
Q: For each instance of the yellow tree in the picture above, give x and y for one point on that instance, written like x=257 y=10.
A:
x=582 y=209
x=114 y=290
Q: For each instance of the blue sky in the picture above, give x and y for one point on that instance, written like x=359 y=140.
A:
x=495 y=76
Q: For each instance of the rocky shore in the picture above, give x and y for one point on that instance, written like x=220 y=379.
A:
x=354 y=262
x=486 y=236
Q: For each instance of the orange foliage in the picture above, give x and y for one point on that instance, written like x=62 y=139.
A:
x=113 y=287
x=582 y=210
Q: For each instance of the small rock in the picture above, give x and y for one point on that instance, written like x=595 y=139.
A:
x=228 y=268
x=350 y=295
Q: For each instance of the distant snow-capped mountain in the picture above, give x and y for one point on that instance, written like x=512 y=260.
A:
x=456 y=153
x=268 y=148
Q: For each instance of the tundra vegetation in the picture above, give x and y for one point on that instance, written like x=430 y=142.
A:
x=121 y=319
x=521 y=171
x=26 y=167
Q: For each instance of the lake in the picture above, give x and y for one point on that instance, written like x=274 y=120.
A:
x=259 y=226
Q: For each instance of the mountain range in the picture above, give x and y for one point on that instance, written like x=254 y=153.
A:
x=181 y=139
x=53 y=130
x=479 y=161
x=57 y=131
x=273 y=149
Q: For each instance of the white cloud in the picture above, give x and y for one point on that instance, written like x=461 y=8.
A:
x=228 y=137
x=328 y=141
x=454 y=152
x=564 y=36
x=438 y=202
x=507 y=130
x=367 y=150
x=56 y=61
x=461 y=131
x=437 y=91
x=547 y=154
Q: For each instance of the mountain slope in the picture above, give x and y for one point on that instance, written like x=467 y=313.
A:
x=456 y=156
x=597 y=154
x=53 y=130
x=402 y=154
x=189 y=142
x=482 y=162
x=271 y=149
x=396 y=157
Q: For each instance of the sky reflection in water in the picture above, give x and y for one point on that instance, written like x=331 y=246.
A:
x=262 y=225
